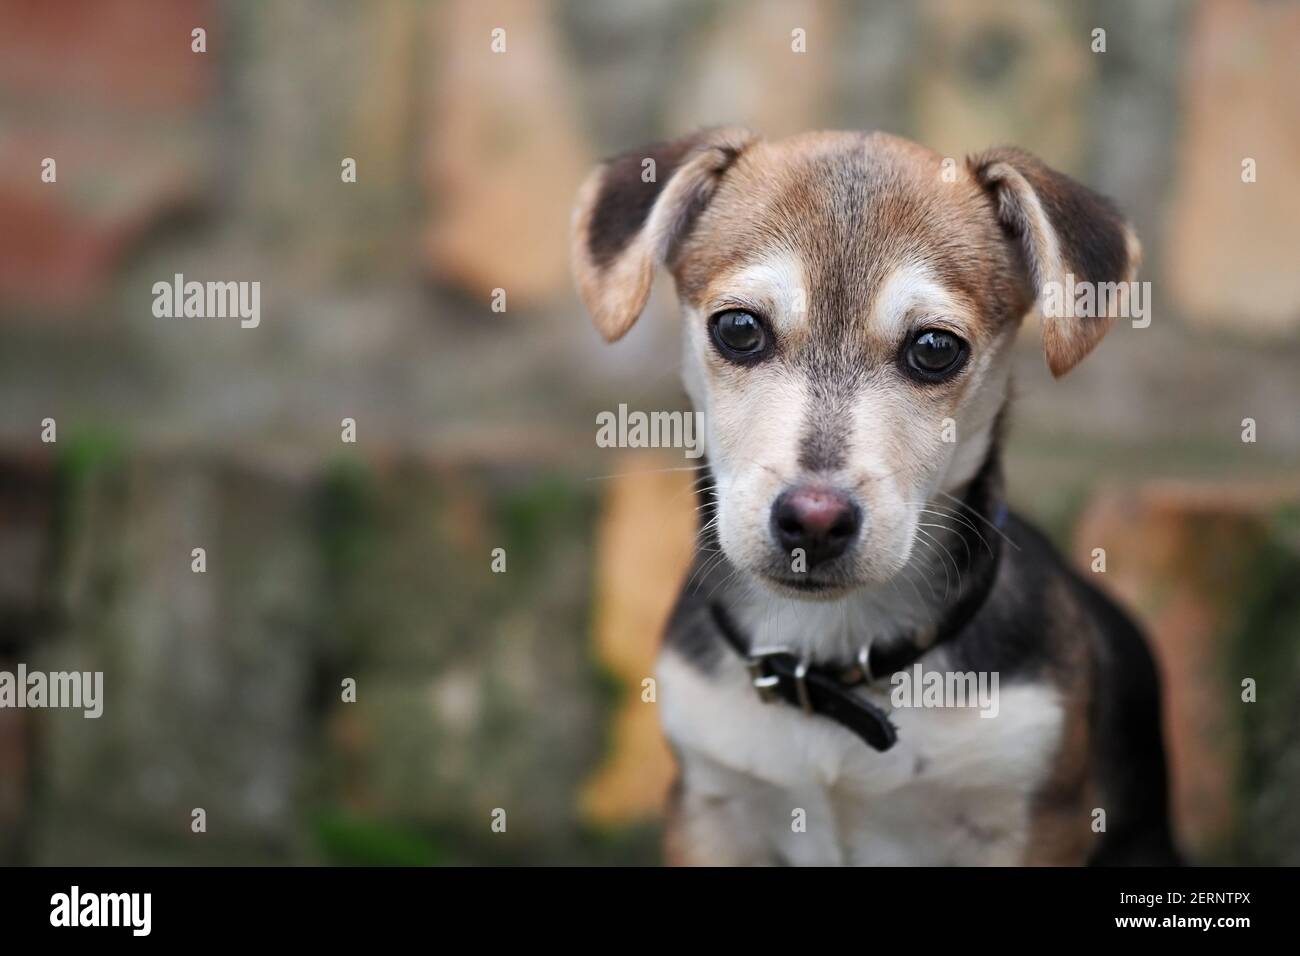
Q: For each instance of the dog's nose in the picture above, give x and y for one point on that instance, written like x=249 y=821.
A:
x=821 y=521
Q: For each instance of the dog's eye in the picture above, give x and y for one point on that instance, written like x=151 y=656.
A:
x=739 y=335
x=934 y=354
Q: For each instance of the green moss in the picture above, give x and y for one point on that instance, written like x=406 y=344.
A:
x=536 y=514
x=1266 y=647
x=88 y=451
x=84 y=458
x=639 y=845
x=349 y=840
x=346 y=513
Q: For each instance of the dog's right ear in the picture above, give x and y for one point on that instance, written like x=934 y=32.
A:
x=1065 y=232
x=632 y=212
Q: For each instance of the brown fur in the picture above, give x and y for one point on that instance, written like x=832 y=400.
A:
x=1060 y=823
x=851 y=204
x=838 y=216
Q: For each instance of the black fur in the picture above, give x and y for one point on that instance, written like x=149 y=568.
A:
x=625 y=200
x=1010 y=624
x=1089 y=227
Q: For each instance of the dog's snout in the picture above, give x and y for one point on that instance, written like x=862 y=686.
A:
x=823 y=522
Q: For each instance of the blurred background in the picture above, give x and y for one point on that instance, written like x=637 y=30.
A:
x=372 y=560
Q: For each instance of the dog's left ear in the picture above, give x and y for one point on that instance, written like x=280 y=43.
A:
x=1063 y=229
x=631 y=213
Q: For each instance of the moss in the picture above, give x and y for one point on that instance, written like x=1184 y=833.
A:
x=1266 y=647
x=346 y=513
x=85 y=458
x=343 y=512
x=362 y=841
x=349 y=840
x=534 y=515
x=90 y=450
x=638 y=845
x=82 y=458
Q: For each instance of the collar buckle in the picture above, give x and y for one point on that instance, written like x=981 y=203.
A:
x=864 y=665
x=764 y=681
x=767 y=681
x=778 y=674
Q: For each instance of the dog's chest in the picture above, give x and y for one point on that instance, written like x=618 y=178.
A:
x=955 y=789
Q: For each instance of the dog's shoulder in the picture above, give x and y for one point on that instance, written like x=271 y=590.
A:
x=1062 y=625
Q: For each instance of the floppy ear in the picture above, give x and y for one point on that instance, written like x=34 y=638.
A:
x=1064 y=229
x=631 y=213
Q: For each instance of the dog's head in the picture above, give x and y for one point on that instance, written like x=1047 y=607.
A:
x=849 y=301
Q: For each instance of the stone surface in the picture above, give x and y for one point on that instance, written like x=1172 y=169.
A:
x=109 y=55
x=223 y=689
x=1005 y=72
x=1185 y=557
x=504 y=152
x=29 y=517
x=312 y=90
x=121 y=117
x=206 y=675
x=745 y=71
x=1234 y=258
x=477 y=692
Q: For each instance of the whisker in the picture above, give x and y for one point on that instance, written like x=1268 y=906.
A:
x=733 y=573
x=646 y=471
x=976 y=512
x=925 y=578
x=950 y=513
x=955 y=566
x=933 y=545
x=944 y=527
x=706 y=568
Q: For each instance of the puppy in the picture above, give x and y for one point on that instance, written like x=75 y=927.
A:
x=850 y=301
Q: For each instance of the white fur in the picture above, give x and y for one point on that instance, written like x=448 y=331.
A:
x=755 y=420
x=753 y=456
x=776 y=285
x=955 y=789
x=911 y=288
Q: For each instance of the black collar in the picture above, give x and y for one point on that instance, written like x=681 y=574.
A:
x=780 y=675
x=828 y=689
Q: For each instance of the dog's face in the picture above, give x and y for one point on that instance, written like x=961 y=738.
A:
x=849 y=302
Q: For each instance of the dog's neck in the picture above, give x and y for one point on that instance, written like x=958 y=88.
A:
x=942 y=586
